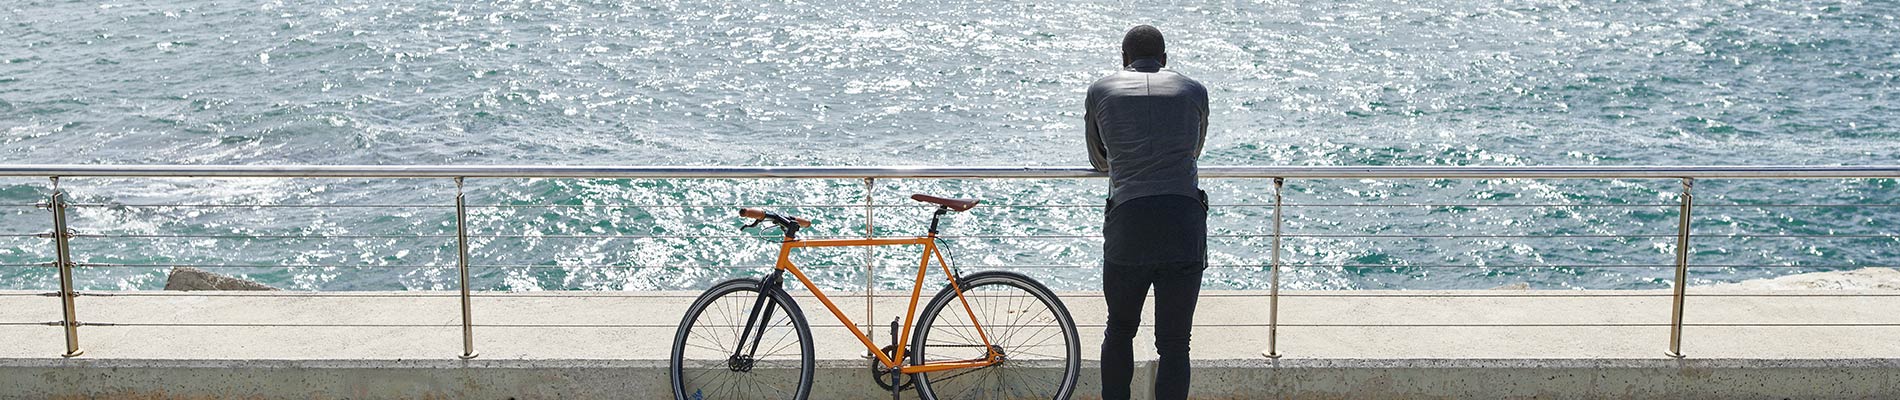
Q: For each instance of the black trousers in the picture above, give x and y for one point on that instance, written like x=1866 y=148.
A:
x=1158 y=242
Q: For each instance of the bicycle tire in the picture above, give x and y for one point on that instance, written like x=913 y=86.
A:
x=703 y=370
x=1006 y=332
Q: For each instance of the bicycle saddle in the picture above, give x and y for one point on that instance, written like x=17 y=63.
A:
x=953 y=204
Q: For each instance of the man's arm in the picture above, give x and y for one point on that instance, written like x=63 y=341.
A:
x=1098 y=155
x=1202 y=143
x=1199 y=144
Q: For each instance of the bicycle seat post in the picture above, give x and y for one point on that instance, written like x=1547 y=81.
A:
x=941 y=210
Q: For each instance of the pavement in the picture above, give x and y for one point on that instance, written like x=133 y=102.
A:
x=1483 y=333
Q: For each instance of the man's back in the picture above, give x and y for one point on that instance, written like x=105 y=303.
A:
x=1145 y=128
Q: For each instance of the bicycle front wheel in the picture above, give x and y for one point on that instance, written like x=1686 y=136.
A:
x=1022 y=320
x=716 y=355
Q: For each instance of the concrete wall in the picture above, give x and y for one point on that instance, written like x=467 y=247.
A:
x=1337 y=345
x=1214 y=379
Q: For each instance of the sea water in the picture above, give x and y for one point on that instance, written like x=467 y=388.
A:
x=939 y=83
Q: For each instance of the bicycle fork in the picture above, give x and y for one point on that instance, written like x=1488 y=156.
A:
x=743 y=356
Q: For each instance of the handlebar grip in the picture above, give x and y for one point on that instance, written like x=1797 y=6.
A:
x=802 y=222
x=752 y=213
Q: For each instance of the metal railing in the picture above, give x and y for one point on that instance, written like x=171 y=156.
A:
x=61 y=235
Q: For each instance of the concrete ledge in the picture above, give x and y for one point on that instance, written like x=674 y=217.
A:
x=1215 y=379
x=1338 y=345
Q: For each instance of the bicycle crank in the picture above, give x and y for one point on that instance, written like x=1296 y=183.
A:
x=883 y=375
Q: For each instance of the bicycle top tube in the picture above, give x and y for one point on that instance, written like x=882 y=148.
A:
x=790 y=225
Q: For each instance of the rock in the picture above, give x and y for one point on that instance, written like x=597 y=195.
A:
x=187 y=278
x=1514 y=286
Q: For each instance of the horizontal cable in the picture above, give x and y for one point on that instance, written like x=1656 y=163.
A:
x=271 y=325
x=204 y=205
x=1548 y=294
x=267 y=293
x=856 y=292
x=962 y=172
x=653 y=236
x=1801 y=205
x=1798 y=236
x=42 y=234
x=114 y=265
x=1834 y=266
x=1453 y=236
x=1581 y=325
x=987 y=205
x=1501 y=293
x=856 y=205
x=1096 y=236
x=1692 y=294
x=860 y=205
x=44 y=264
x=1466 y=265
x=1472 y=205
x=1081 y=326
x=1475 y=205
x=1020 y=236
x=849 y=293
x=411 y=294
x=1797 y=324
x=166 y=236
x=539 y=266
x=52 y=294
x=1329 y=235
x=966 y=266
x=816 y=326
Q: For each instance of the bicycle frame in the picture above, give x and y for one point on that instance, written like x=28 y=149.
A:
x=894 y=361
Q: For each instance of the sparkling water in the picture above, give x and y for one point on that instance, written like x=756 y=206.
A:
x=938 y=83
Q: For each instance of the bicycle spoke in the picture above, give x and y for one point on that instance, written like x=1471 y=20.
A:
x=961 y=331
x=951 y=377
x=774 y=351
x=1020 y=352
x=1014 y=318
x=1052 y=335
x=1009 y=330
x=982 y=375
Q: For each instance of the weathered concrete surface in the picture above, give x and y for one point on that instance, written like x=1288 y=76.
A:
x=188 y=278
x=1415 y=344
x=1214 y=379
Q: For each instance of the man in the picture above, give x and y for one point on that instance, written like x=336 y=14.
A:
x=1145 y=127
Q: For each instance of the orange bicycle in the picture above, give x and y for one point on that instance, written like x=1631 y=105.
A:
x=986 y=335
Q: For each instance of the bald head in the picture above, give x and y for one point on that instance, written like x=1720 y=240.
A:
x=1144 y=41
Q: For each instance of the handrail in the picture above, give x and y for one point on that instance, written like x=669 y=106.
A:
x=885 y=172
x=1687 y=175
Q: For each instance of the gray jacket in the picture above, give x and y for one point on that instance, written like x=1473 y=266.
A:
x=1145 y=128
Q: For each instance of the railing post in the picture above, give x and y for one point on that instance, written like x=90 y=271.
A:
x=1682 y=268
x=1273 y=299
x=461 y=265
x=870 y=257
x=63 y=248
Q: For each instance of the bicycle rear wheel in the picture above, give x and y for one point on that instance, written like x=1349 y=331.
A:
x=709 y=361
x=1022 y=319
